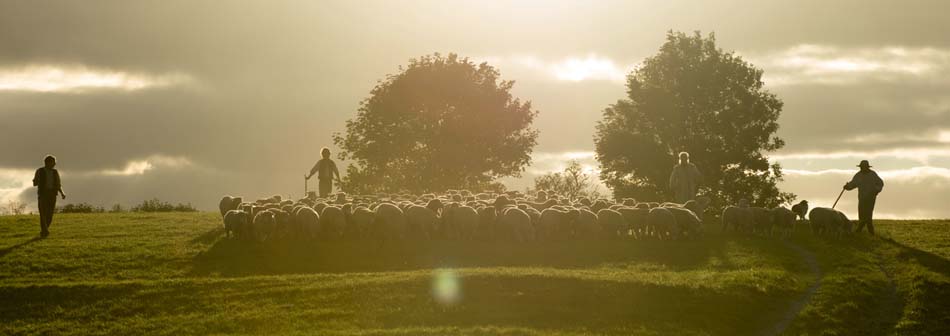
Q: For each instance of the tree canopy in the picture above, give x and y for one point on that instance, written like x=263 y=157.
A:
x=692 y=96
x=442 y=122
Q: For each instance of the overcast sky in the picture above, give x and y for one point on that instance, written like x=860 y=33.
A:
x=190 y=100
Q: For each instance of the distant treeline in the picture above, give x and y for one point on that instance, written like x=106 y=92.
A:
x=152 y=205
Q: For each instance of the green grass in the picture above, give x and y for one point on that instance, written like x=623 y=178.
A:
x=176 y=274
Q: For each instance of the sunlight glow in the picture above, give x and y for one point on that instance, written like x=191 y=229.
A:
x=52 y=78
x=445 y=286
x=13 y=182
x=591 y=67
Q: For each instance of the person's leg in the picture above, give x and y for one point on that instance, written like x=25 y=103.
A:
x=46 y=212
x=52 y=210
x=870 y=213
x=863 y=215
x=41 y=206
x=325 y=187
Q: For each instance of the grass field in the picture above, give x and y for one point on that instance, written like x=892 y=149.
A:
x=175 y=274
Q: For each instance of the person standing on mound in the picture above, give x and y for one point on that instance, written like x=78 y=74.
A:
x=869 y=185
x=326 y=171
x=48 y=185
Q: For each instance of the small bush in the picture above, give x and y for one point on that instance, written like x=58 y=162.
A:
x=156 y=205
x=80 y=208
x=117 y=208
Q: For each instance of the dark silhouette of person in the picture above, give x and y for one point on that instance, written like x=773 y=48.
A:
x=48 y=185
x=326 y=171
x=869 y=185
x=684 y=180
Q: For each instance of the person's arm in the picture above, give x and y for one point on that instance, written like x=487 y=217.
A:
x=336 y=172
x=313 y=170
x=853 y=184
x=59 y=184
x=36 y=178
x=878 y=184
x=673 y=180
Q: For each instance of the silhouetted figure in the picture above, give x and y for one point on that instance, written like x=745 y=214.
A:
x=684 y=180
x=326 y=171
x=869 y=185
x=48 y=185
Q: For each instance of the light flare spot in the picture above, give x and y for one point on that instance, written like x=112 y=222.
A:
x=445 y=286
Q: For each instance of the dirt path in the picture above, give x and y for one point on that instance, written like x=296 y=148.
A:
x=779 y=327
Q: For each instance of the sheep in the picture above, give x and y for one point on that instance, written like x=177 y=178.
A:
x=283 y=224
x=827 y=221
x=229 y=203
x=543 y=205
x=389 y=223
x=698 y=206
x=686 y=222
x=636 y=219
x=332 y=222
x=586 y=227
x=263 y=226
x=612 y=223
x=598 y=205
x=784 y=221
x=459 y=221
x=359 y=221
x=515 y=225
x=272 y=199
x=738 y=217
x=486 y=222
x=541 y=196
x=235 y=221
x=422 y=222
x=800 y=209
x=662 y=222
x=307 y=221
x=762 y=219
x=556 y=223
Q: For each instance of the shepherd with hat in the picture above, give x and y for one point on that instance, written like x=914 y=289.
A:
x=869 y=185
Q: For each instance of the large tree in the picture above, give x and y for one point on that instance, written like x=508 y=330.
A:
x=441 y=122
x=692 y=96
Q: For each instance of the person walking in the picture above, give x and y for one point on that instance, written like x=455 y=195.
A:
x=684 y=180
x=48 y=185
x=326 y=171
x=869 y=185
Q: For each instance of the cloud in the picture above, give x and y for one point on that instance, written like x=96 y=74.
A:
x=833 y=65
x=15 y=184
x=77 y=78
x=139 y=167
x=916 y=192
x=921 y=154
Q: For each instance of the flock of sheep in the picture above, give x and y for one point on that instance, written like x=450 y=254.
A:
x=781 y=221
x=511 y=216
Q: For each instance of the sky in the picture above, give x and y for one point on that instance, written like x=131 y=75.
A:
x=187 y=101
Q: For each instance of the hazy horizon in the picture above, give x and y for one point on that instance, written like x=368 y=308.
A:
x=188 y=101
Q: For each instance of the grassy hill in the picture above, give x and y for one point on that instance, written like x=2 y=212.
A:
x=176 y=274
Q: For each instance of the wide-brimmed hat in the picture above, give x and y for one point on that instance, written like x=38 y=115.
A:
x=864 y=163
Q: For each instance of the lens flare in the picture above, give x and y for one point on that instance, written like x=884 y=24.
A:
x=445 y=286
